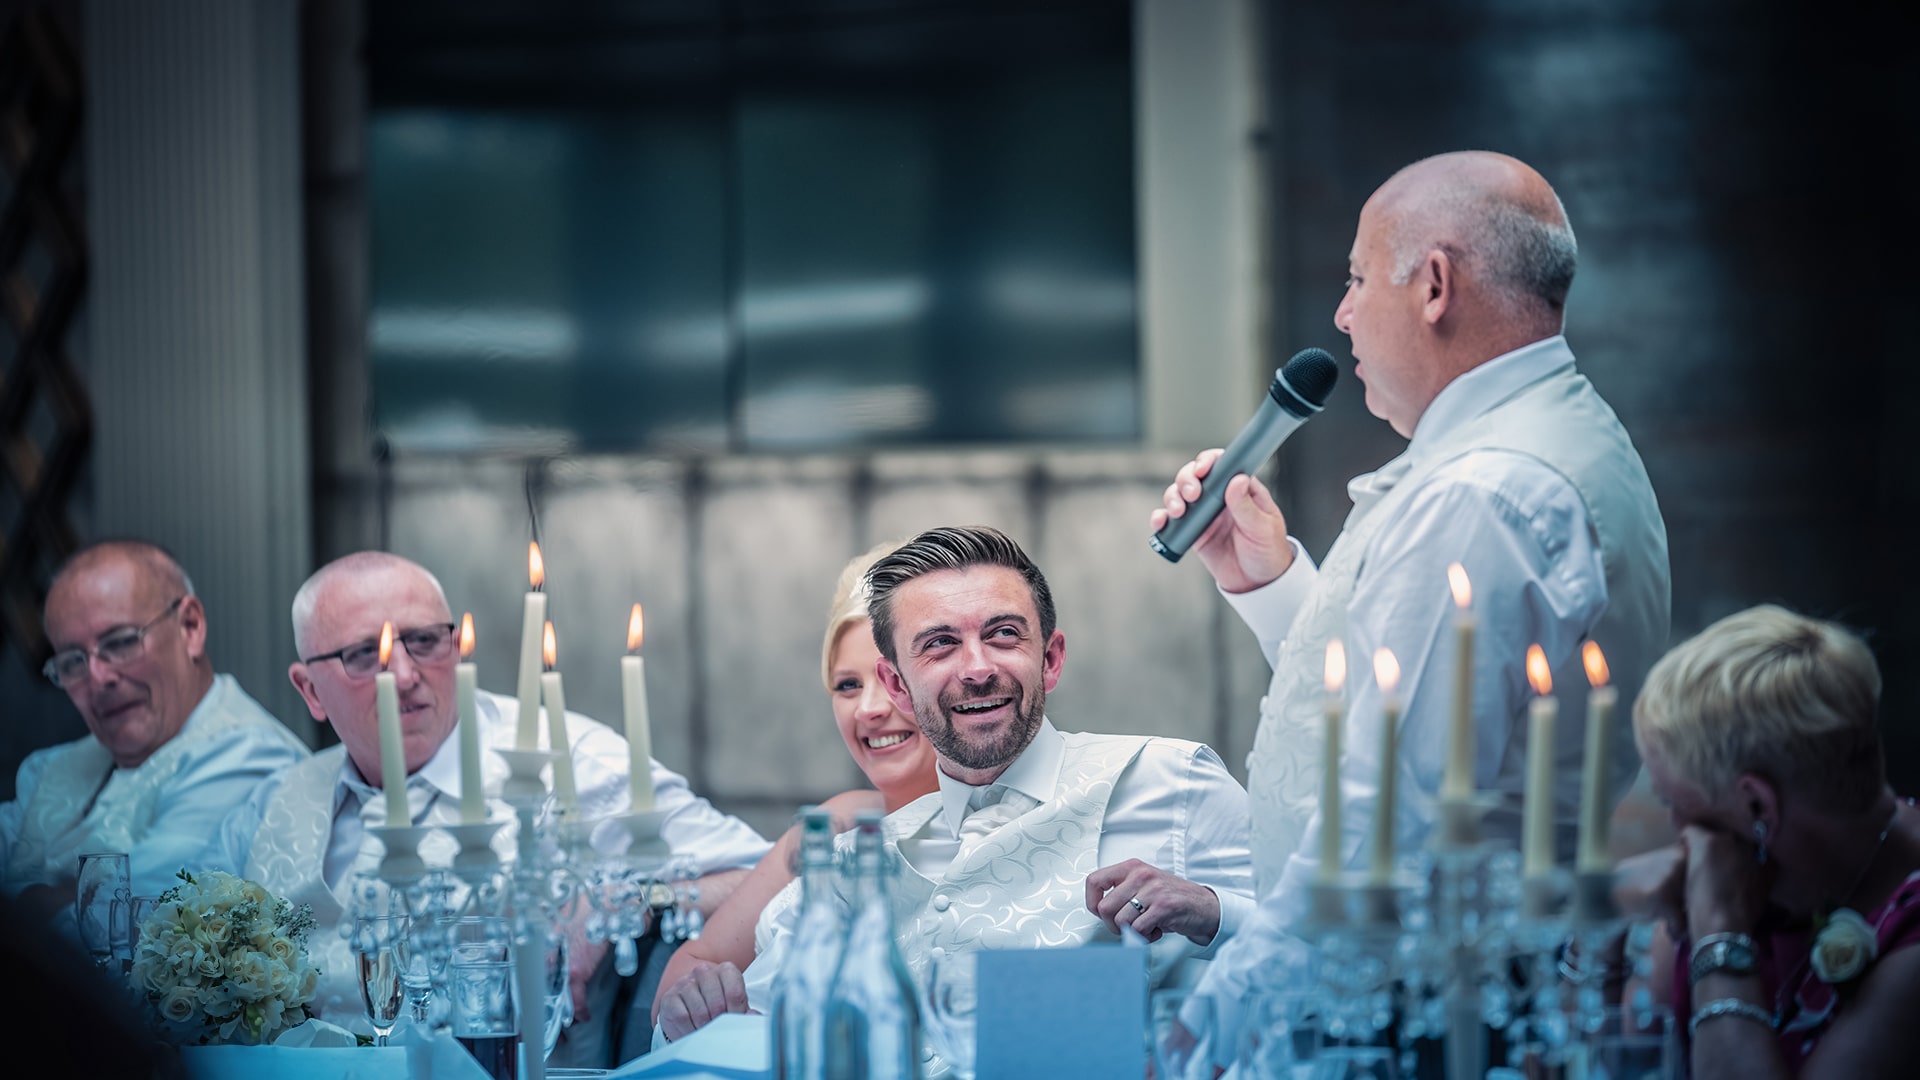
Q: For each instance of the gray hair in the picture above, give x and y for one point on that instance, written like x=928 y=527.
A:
x=307 y=600
x=1526 y=257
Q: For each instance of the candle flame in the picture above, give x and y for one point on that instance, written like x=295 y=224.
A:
x=386 y=643
x=634 y=624
x=1386 y=670
x=1336 y=665
x=549 y=650
x=1595 y=661
x=466 y=636
x=1538 y=673
x=1462 y=588
x=536 y=566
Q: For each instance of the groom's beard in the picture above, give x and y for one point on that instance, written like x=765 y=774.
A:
x=986 y=749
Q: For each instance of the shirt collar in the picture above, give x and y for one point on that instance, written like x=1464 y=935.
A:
x=1487 y=385
x=441 y=772
x=1033 y=774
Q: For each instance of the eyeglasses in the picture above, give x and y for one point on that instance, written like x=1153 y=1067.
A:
x=116 y=647
x=425 y=644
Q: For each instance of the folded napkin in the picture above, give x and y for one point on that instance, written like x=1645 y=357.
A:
x=316 y=1032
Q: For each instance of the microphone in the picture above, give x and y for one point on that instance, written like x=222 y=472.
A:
x=1299 y=390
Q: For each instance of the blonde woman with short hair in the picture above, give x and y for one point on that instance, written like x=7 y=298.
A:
x=1794 y=891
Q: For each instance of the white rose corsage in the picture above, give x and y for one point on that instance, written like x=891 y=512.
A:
x=1845 y=946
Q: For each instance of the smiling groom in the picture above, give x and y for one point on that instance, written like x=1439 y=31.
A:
x=1037 y=837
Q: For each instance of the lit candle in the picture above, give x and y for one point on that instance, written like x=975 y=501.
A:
x=557 y=741
x=393 y=751
x=1331 y=861
x=633 y=695
x=473 y=795
x=1386 y=672
x=533 y=617
x=1536 y=830
x=1593 y=806
x=1457 y=784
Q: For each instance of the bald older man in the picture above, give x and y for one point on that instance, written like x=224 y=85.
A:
x=1515 y=468
x=306 y=832
x=171 y=748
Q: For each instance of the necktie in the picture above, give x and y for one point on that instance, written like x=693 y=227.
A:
x=989 y=808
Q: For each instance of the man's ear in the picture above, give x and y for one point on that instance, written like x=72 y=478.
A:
x=297 y=674
x=1054 y=661
x=895 y=685
x=193 y=626
x=1437 y=284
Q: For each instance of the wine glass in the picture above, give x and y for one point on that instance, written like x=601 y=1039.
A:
x=380 y=946
x=1181 y=1028
x=103 y=878
x=1633 y=1044
x=559 y=995
x=1279 y=1036
x=949 y=1008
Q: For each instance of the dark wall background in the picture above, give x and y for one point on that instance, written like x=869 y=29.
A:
x=1737 y=176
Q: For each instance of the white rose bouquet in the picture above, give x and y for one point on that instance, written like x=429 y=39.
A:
x=223 y=960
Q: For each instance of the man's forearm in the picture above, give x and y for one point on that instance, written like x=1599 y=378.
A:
x=716 y=887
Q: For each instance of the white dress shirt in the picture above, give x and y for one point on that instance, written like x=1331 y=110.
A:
x=712 y=841
x=163 y=813
x=1536 y=561
x=1179 y=811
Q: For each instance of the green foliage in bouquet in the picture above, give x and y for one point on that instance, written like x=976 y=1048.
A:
x=222 y=960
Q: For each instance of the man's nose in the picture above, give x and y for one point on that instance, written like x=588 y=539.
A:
x=1343 y=314
x=975 y=665
x=101 y=673
x=405 y=671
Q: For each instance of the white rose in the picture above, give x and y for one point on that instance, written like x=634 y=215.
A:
x=179 y=1005
x=1844 y=947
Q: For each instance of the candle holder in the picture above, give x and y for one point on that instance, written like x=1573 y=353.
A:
x=402 y=862
x=1460 y=820
x=646 y=846
x=476 y=857
x=1593 y=899
x=524 y=782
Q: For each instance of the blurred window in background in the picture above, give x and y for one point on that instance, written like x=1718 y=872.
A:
x=702 y=227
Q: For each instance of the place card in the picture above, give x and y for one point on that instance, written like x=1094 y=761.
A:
x=1048 y=1013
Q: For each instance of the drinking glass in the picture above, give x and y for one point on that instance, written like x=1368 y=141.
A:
x=559 y=995
x=1631 y=1043
x=949 y=1009
x=1279 y=1036
x=380 y=945
x=1181 y=1031
x=104 y=877
x=480 y=976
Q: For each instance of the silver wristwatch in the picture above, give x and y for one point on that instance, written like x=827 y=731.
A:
x=1733 y=954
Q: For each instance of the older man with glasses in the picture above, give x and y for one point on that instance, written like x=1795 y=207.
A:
x=304 y=834
x=172 y=747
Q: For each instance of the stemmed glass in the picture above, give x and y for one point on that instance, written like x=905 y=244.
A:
x=380 y=947
x=1181 y=1030
x=104 y=877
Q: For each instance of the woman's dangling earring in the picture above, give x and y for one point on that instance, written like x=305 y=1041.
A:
x=1760 y=837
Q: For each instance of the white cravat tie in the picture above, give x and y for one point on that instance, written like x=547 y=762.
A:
x=989 y=808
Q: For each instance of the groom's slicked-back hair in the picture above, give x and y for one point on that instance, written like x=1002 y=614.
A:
x=950 y=547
